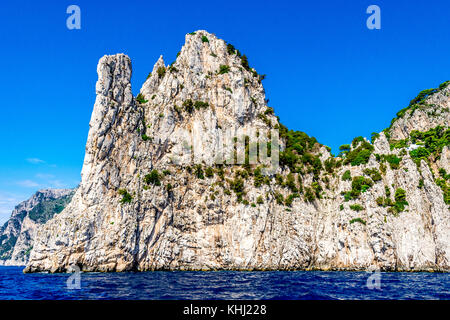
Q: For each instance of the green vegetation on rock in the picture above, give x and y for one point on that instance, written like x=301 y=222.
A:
x=188 y=105
x=200 y=105
x=153 y=178
x=373 y=173
x=432 y=142
x=418 y=102
x=359 y=184
x=347 y=176
x=161 y=71
x=358 y=220
x=361 y=154
x=356 y=207
x=45 y=210
x=223 y=69
x=237 y=185
x=141 y=99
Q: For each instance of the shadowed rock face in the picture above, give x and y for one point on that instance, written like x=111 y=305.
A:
x=118 y=221
x=17 y=234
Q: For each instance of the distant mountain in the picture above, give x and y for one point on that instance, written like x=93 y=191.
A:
x=17 y=234
x=155 y=196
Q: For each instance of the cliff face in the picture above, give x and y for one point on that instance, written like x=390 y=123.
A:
x=17 y=234
x=153 y=197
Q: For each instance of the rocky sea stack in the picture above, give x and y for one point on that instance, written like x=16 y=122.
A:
x=146 y=203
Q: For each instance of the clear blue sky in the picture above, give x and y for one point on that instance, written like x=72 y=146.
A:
x=327 y=74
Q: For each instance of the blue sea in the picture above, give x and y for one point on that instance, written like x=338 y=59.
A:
x=234 y=285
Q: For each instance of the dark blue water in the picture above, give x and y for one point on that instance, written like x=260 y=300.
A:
x=224 y=285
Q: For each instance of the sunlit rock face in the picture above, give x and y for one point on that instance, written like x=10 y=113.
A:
x=17 y=234
x=188 y=218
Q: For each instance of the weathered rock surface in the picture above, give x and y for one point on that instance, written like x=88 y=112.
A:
x=17 y=234
x=118 y=221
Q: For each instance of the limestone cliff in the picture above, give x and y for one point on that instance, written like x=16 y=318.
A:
x=154 y=196
x=17 y=234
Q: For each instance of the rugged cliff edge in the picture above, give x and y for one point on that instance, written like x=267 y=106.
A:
x=146 y=203
x=17 y=234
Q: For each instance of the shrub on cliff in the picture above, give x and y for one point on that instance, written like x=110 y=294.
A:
x=200 y=105
x=188 y=105
x=258 y=177
x=264 y=118
x=347 y=176
x=309 y=195
x=237 y=185
x=400 y=195
x=417 y=102
x=290 y=182
x=373 y=173
x=141 y=99
x=359 y=155
x=317 y=188
x=400 y=200
x=356 y=207
x=398 y=144
x=198 y=171
x=359 y=184
x=358 y=220
x=432 y=141
x=279 y=198
x=394 y=207
x=244 y=62
x=269 y=110
x=161 y=72
x=45 y=210
x=223 y=69
x=231 y=49
x=314 y=162
x=357 y=140
x=422 y=96
x=330 y=164
x=380 y=201
x=209 y=172
x=290 y=199
x=374 y=136
x=445 y=186
x=393 y=160
x=260 y=200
